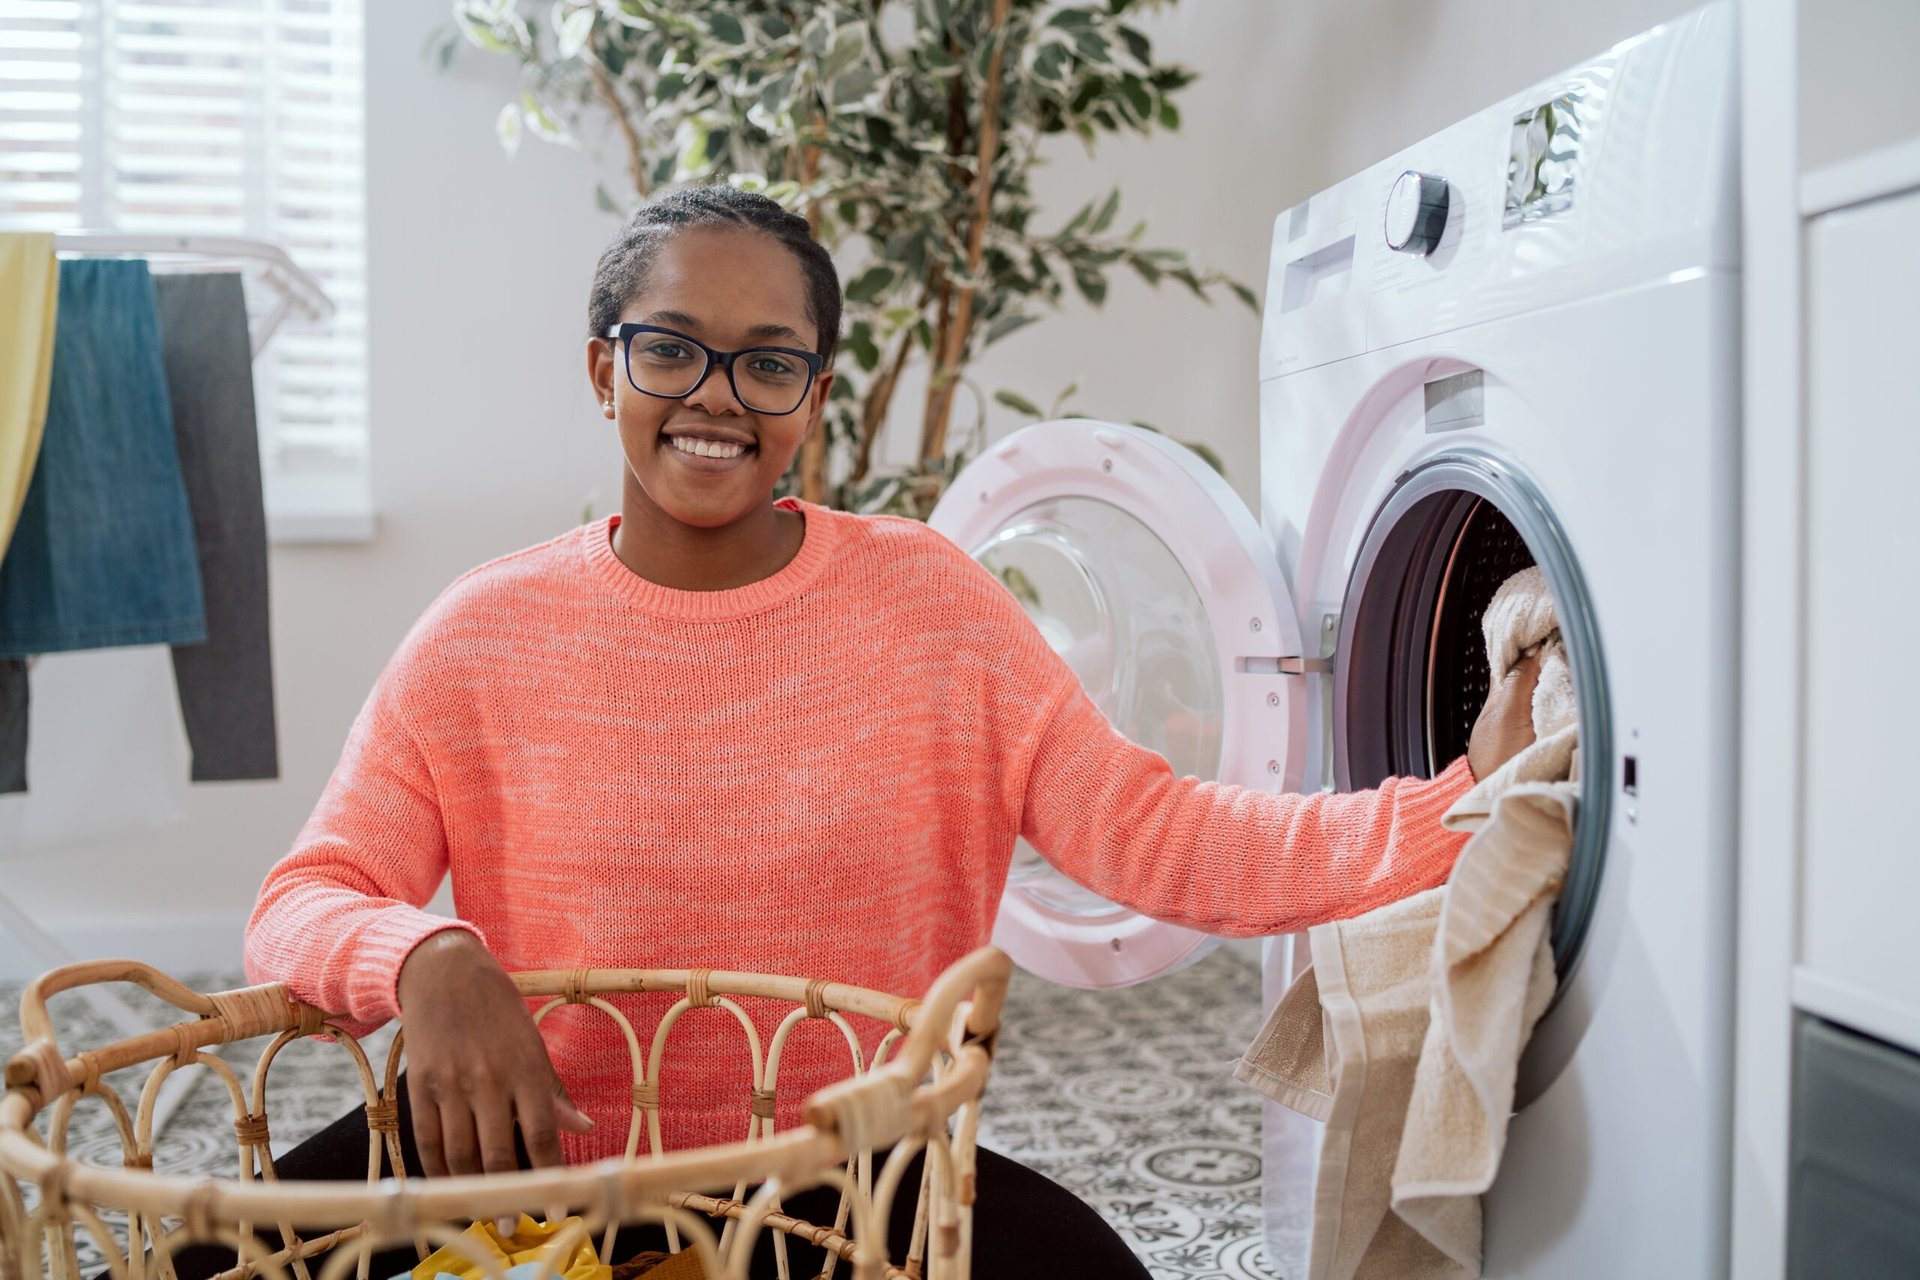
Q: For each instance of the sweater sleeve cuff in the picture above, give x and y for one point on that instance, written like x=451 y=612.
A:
x=1422 y=803
x=374 y=990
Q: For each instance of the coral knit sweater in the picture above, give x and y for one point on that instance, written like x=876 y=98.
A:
x=821 y=773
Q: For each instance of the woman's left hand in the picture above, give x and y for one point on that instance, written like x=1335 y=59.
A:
x=1505 y=726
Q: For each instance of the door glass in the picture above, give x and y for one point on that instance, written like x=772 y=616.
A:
x=1114 y=602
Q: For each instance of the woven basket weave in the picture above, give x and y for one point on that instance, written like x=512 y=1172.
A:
x=921 y=1091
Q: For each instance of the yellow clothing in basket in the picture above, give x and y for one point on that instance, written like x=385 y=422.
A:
x=526 y=1248
x=29 y=295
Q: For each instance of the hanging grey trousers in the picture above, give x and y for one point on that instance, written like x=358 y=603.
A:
x=13 y=725
x=226 y=684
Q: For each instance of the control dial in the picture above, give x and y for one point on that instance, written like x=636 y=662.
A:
x=1416 y=212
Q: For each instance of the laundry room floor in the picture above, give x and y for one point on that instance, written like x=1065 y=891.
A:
x=1126 y=1097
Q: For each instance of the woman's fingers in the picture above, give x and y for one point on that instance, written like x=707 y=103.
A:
x=493 y=1122
x=534 y=1110
x=426 y=1132
x=457 y=1137
x=571 y=1118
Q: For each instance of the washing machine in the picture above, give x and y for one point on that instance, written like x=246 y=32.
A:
x=1513 y=343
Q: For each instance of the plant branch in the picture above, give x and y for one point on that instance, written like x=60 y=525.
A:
x=873 y=410
x=603 y=88
x=933 y=438
x=813 y=451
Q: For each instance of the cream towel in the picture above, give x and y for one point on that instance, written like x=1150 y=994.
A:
x=1421 y=1008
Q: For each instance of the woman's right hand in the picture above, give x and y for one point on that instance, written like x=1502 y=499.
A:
x=476 y=1065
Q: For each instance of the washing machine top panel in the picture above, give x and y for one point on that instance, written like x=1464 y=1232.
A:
x=1616 y=173
x=1150 y=577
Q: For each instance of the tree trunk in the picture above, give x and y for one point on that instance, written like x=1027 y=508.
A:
x=950 y=351
x=873 y=410
x=813 y=450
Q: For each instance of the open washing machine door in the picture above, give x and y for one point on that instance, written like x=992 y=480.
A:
x=1147 y=573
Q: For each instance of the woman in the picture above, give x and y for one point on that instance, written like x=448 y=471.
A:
x=725 y=731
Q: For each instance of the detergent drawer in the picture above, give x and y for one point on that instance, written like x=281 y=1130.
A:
x=1853 y=1194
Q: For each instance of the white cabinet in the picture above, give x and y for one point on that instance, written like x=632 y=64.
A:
x=1859 y=945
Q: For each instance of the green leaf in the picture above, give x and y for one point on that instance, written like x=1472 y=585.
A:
x=573 y=29
x=506 y=127
x=871 y=284
x=849 y=47
x=1018 y=403
x=777 y=93
x=539 y=121
x=1092 y=286
x=690 y=160
x=1169 y=114
x=856 y=84
x=603 y=200
x=1207 y=455
x=860 y=342
x=1050 y=64
x=1245 y=295
x=726 y=28
x=1104 y=218
x=1006 y=324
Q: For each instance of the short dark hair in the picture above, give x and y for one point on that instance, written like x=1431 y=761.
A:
x=623 y=268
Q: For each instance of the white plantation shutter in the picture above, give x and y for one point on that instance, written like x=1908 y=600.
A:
x=215 y=117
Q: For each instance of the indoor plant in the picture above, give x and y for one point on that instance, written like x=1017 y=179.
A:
x=906 y=131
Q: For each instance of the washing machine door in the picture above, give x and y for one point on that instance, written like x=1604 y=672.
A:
x=1147 y=573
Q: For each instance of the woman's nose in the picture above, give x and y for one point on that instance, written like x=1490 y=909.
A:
x=714 y=392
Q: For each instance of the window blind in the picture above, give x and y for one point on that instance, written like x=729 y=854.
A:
x=215 y=117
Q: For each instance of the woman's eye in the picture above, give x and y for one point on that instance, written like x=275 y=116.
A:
x=773 y=367
x=667 y=350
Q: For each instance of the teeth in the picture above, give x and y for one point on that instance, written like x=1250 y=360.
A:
x=708 y=448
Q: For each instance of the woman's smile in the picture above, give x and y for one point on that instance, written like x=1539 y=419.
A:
x=708 y=454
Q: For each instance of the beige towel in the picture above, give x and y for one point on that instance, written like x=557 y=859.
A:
x=1421 y=1008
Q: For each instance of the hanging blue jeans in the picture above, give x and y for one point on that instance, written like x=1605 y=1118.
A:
x=104 y=553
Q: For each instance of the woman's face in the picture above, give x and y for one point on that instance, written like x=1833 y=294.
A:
x=729 y=288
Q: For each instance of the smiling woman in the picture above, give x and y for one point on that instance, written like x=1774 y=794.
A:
x=766 y=734
x=711 y=279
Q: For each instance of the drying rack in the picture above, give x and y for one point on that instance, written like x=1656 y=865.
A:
x=296 y=292
x=295 y=289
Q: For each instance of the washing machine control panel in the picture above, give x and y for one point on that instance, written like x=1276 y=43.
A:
x=1416 y=212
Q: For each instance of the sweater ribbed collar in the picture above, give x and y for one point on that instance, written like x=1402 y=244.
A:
x=816 y=547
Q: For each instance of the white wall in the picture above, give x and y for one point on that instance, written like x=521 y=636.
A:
x=487 y=438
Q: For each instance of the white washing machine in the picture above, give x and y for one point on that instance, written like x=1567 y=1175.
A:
x=1515 y=342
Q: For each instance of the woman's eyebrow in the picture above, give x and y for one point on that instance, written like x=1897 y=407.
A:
x=678 y=319
x=681 y=320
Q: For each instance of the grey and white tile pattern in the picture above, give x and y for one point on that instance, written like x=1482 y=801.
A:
x=1126 y=1097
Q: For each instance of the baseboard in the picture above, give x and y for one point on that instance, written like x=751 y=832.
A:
x=183 y=945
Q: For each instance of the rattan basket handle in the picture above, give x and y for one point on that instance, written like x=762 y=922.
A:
x=246 y=1011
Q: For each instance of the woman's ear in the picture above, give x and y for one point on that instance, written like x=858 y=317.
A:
x=822 y=392
x=600 y=372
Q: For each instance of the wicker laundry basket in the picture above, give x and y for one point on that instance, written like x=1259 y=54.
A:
x=921 y=1091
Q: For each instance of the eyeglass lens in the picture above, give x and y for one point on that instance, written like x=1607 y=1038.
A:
x=766 y=380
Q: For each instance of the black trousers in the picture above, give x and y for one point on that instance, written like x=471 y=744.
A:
x=1025 y=1226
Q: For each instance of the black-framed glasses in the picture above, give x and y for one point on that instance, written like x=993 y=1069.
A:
x=671 y=365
